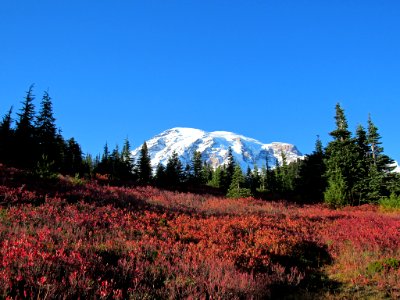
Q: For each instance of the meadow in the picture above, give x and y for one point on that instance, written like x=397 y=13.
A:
x=68 y=238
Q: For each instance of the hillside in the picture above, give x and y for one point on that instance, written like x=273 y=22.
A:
x=67 y=237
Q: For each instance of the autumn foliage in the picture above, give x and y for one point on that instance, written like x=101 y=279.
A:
x=63 y=238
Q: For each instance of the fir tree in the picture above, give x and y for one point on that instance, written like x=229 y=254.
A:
x=144 y=166
x=127 y=163
x=255 y=180
x=173 y=171
x=236 y=188
x=312 y=182
x=160 y=176
x=217 y=177
x=25 y=133
x=197 y=169
x=229 y=170
x=341 y=132
x=379 y=175
x=362 y=164
x=342 y=162
x=73 y=158
x=6 y=138
x=46 y=132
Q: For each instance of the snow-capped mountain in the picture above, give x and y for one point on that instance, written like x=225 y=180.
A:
x=214 y=148
x=396 y=167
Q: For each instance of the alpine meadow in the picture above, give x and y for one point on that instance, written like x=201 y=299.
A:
x=200 y=150
x=325 y=225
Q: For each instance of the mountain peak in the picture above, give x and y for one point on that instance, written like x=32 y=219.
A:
x=214 y=148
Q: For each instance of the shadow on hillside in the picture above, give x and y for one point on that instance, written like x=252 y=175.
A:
x=309 y=258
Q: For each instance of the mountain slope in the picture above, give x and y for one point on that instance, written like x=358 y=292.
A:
x=214 y=148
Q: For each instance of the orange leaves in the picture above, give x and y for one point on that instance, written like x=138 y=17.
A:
x=93 y=241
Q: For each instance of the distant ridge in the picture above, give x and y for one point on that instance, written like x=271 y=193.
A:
x=214 y=148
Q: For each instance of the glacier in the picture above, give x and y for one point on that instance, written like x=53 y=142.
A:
x=214 y=146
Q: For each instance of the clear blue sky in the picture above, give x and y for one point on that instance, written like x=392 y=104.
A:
x=271 y=70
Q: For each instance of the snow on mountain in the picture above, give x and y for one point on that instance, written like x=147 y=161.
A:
x=214 y=148
x=397 y=167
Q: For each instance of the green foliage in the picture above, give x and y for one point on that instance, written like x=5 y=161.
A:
x=196 y=170
x=44 y=168
x=383 y=265
x=392 y=202
x=174 y=171
x=336 y=193
x=236 y=189
x=217 y=177
x=144 y=166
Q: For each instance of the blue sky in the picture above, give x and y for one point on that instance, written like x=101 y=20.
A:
x=271 y=70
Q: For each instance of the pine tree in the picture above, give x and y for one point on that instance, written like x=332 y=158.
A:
x=73 y=158
x=46 y=133
x=173 y=171
x=197 y=169
x=127 y=162
x=6 y=138
x=379 y=175
x=342 y=163
x=336 y=193
x=362 y=164
x=229 y=170
x=144 y=166
x=312 y=182
x=160 y=176
x=374 y=142
x=341 y=132
x=25 y=144
x=217 y=178
x=255 y=180
x=236 y=189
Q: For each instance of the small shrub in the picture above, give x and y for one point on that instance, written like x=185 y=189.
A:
x=392 y=202
x=383 y=265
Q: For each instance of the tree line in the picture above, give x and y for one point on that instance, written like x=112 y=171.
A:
x=352 y=169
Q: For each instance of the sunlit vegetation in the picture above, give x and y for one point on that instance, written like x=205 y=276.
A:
x=82 y=239
x=108 y=227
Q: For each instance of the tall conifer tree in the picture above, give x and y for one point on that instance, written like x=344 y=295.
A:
x=25 y=145
x=144 y=166
x=46 y=133
x=341 y=163
x=6 y=138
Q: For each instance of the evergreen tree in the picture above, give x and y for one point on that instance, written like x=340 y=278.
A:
x=197 y=169
x=255 y=180
x=312 y=182
x=144 y=166
x=173 y=171
x=236 y=189
x=25 y=144
x=46 y=133
x=6 y=138
x=104 y=166
x=73 y=158
x=284 y=175
x=127 y=163
x=206 y=173
x=229 y=170
x=341 y=133
x=379 y=175
x=342 y=163
x=263 y=179
x=160 y=176
x=336 y=193
x=362 y=165
x=217 y=177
